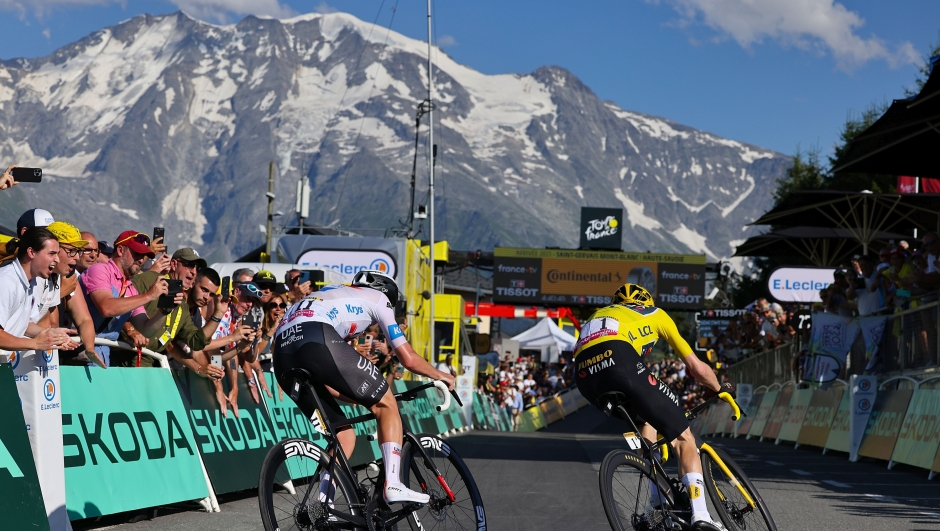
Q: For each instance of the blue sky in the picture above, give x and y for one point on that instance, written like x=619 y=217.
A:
x=775 y=73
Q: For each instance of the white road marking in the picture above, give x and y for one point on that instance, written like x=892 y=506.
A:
x=801 y=472
x=837 y=484
x=881 y=498
x=933 y=515
x=774 y=463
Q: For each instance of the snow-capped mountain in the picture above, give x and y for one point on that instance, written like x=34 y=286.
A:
x=166 y=120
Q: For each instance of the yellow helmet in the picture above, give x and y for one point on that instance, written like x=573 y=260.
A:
x=633 y=294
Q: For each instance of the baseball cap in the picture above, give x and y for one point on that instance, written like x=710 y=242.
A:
x=34 y=217
x=190 y=255
x=266 y=280
x=136 y=241
x=105 y=248
x=67 y=233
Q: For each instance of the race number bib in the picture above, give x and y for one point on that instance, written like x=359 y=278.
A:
x=596 y=328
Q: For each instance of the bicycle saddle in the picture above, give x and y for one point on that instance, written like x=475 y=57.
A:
x=610 y=400
x=300 y=377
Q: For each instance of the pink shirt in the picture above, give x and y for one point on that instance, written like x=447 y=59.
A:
x=108 y=276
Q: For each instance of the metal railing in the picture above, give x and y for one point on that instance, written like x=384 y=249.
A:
x=766 y=368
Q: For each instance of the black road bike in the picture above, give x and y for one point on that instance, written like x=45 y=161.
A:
x=625 y=478
x=289 y=487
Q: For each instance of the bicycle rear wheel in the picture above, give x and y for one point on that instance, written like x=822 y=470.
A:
x=465 y=511
x=625 y=492
x=289 y=488
x=733 y=507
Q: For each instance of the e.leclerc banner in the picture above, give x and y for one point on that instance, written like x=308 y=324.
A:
x=232 y=447
x=574 y=277
x=19 y=485
x=37 y=380
x=128 y=444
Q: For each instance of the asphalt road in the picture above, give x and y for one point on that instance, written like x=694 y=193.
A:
x=548 y=480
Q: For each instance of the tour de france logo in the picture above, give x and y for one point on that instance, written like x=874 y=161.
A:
x=49 y=390
x=599 y=228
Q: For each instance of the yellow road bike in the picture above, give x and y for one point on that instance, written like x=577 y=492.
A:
x=625 y=477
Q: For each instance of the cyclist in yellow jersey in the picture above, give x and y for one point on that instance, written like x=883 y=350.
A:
x=609 y=357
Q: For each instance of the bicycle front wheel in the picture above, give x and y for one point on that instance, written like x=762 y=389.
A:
x=289 y=489
x=465 y=511
x=734 y=508
x=625 y=492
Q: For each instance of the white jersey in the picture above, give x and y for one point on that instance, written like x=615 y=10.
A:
x=349 y=310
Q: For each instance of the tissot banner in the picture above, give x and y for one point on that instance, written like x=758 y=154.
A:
x=19 y=485
x=601 y=228
x=588 y=278
x=128 y=443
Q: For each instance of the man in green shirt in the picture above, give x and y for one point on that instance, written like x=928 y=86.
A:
x=178 y=325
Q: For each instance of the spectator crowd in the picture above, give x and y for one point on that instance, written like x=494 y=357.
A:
x=517 y=385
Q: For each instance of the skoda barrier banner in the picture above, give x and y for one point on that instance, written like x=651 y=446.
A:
x=763 y=413
x=777 y=414
x=920 y=432
x=749 y=414
x=128 y=443
x=819 y=414
x=793 y=421
x=19 y=484
x=232 y=447
x=885 y=423
x=839 y=431
x=589 y=278
x=37 y=380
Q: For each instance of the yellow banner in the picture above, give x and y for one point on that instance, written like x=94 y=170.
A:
x=792 y=423
x=920 y=433
x=884 y=424
x=818 y=420
x=839 y=432
x=586 y=277
x=569 y=254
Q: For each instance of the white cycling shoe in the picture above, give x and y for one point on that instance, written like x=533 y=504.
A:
x=707 y=524
x=398 y=492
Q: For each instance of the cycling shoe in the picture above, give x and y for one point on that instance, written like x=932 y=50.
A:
x=707 y=525
x=398 y=492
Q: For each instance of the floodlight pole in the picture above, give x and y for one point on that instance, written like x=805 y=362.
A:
x=431 y=347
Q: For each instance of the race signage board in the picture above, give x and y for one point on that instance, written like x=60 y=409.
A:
x=799 y=284
x=349 y=261
x=129 y=453
x=601 y=228
x=707 y=319
x=552 y=277
x=19 y=484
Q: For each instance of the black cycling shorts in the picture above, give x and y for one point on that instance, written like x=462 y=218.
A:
x=317 y=348
x=616 y=366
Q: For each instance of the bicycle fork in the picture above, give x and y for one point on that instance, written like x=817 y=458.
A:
x=443 y=448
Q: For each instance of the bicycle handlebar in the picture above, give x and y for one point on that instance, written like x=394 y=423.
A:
x=411 y=394
x=442 y=387
x=736 y=412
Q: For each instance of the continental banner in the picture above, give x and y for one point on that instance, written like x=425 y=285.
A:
x=793 y=421
x=777 y=414
x=763 y=413
x=745 y=425
x=19 y=484
x=885 y=423
x=128 y=444
x=920 y=433
x=818 y=419
x=572 y=277
x=232 y=447
x=839 y=434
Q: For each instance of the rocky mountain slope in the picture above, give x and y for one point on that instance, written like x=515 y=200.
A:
x=166 y=120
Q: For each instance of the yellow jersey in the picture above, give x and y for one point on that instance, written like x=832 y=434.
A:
x=641 y=326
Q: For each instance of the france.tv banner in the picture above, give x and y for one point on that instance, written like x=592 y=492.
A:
x=556 y=277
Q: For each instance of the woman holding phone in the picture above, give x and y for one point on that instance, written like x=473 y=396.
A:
x=273 y=312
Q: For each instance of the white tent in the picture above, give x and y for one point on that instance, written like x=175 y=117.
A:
x=548 y=338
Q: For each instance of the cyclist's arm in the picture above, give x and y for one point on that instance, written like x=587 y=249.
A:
x=702 y=373
x=384 y=315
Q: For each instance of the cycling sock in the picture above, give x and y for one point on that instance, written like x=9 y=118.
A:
x=655 y=499
x=327 y=488
x=391 y=456
x=695 y=484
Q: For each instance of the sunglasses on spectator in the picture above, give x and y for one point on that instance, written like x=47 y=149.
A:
x=273 y=305
x=139 y=238
x=250 y=288
x=187 y=264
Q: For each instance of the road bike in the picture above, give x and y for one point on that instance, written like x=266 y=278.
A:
x=289 y=492
x=625 y=477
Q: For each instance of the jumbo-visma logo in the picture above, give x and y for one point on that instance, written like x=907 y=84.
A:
x=380 y=265
x=48 y=390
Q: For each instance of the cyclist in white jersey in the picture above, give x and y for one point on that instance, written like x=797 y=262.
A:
x=313 y=335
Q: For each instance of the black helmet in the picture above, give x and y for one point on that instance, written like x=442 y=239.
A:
x=379 y=282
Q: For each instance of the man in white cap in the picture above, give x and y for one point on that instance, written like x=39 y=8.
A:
x=34 y=217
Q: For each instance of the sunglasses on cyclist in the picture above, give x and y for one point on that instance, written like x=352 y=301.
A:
x=139 y=238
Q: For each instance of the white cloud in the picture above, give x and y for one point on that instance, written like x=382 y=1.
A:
x=46 y=33
x=822 y=25
x=212 y=10
x=446 y=40
x=323 y=8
